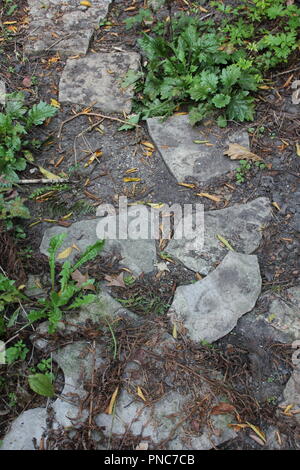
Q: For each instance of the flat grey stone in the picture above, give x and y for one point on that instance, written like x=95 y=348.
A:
x=241 y=225
x=63 y=27
x=77 y=362
x=284 y=312
x=137 y=255
x=174 y=139
x=28 y=426
x=104 y=307
x=97 y=79
x=210 y=308
x=162 y=421
x=291 y=394
x=2 y=93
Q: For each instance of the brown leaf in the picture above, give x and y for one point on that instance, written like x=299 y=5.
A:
x=222 y=408
x=115 y=281
x=238 y=152
x=26 y=82
x=81 y=279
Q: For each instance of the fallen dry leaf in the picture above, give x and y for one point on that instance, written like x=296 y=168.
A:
x=117 y=281
x=65 y=253
x=238 y=152
x=140 y=394
x=222 y=408
x=209 y=196
x=142 y=445
x=110 y=407
x=82 y=279
x=26 y=82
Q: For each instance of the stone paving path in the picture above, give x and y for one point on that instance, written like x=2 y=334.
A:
x=204 y=310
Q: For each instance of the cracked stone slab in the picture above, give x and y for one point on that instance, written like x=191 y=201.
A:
x=210 y=308
x=162 y=421
x=63 y=27
x=28 y=426
x=291 y=393
x=241 y=225
x=137 y=255
x=174 y=139
x=97 y=79
x=77 y=361
x=284 y=312
x=2 y=93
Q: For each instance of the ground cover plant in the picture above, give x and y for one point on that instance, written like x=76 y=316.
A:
x=212 y=66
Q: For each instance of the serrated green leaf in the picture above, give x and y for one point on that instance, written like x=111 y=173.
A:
x=220 y=100
x=230 y=76
x=241 y=107
x=55 y=243
x=39 y=113
x=41 y=384
x=222 y=121
x=82 y=300
x=203 y=85
x=131 y=121
x=90 y=253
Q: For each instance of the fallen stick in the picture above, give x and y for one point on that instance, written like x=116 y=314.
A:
x=92 y=114
x=45 y=181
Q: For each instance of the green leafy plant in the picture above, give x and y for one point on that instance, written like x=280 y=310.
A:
x=18 y=351
x=15 y=123
x=143 y=16
x=193 y=68
x=244 y=168
x=41 y=384
x=213 y=66
x=69 y=295
x=10 y=295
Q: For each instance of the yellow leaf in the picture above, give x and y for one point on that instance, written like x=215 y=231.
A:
x=298 y=149
x=225 y=242
x=85 y=3
x=65 y=253
x=131 y=170
x=65 y=217
x=92 y=158
x=156 y=206
x=187 y=185
x=48 y=174
x=257 y=431
x=10 y=22
x=209 y=196
x=148 y=144
x=130 y=180
x=54 y=103
x=110 y=407
x=276 y=205
x=287 y=410
x=174 y=333
x=238 y=152
x=140 y=394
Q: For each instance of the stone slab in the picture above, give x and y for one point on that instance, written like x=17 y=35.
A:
x=28 y=426
x=241 y=225
x=137 y=255
x=284 y=312
x=210 y=308
x=63 y=27
x=97 y=80
x=162 y=421
x=174 y=138
x=2 y=93
x=291 y=394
